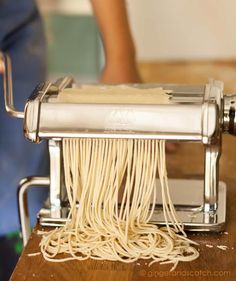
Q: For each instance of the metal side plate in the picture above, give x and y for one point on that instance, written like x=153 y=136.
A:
x=187 y=196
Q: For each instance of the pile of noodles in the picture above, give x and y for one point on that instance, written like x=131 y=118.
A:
x=112 y=189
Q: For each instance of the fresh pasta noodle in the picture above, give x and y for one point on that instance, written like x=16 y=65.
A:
x=97 y=173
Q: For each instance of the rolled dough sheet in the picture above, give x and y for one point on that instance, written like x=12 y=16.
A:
x=120 y=94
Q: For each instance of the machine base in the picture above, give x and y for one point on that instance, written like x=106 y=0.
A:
x=187 y=196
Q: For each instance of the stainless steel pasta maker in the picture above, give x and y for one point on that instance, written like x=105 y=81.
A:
x=192 y=113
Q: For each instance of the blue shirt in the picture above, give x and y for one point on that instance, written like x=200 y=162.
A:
x=22 y=37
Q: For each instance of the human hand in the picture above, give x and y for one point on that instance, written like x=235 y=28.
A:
x=120 y=72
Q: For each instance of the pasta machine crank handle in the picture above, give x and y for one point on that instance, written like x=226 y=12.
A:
x=8 y=88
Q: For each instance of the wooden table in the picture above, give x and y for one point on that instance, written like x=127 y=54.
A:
x=213 y=263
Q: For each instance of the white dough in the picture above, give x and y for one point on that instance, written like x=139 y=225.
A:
x=119 y=94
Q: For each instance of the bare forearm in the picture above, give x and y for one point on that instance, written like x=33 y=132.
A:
x=113 y=23
x=2 y=66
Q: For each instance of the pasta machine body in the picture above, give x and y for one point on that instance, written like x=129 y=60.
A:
x=192 y=113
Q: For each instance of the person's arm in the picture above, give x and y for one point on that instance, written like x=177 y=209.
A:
x=2 y=67
x=120 y=58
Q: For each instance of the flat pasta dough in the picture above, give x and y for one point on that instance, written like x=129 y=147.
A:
x=119 y=94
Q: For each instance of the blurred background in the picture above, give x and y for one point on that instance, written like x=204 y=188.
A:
x=183 y=38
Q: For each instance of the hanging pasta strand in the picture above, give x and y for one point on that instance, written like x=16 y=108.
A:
x=111 y=186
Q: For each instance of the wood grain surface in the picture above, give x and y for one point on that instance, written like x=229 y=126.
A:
x=213 y=263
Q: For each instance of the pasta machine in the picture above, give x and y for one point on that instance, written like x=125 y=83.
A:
x=191 y=113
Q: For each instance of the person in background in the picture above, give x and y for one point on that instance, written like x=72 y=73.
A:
x=22 y=37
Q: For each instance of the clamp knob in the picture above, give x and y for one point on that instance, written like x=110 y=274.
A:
x=229 y=117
